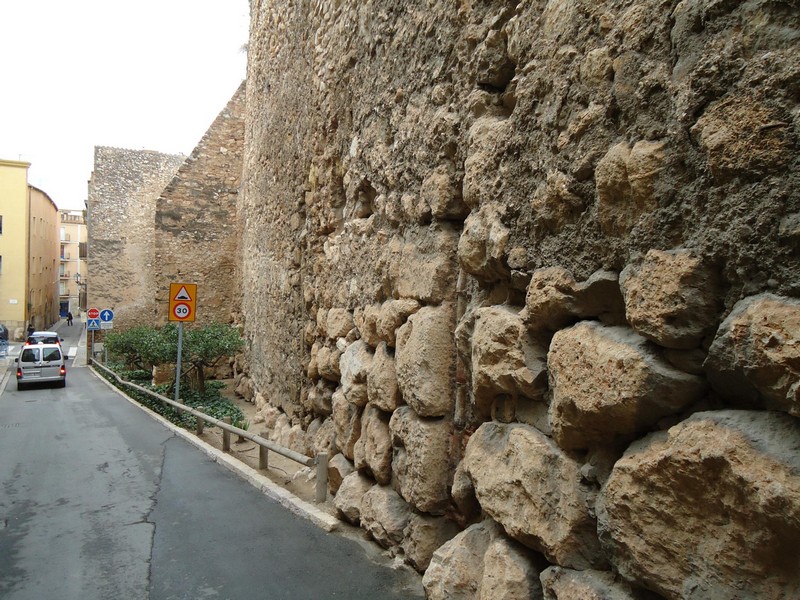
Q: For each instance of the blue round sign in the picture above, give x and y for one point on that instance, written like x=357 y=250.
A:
x=106 y=315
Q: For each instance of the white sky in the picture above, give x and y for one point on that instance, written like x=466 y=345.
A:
x=148 y=74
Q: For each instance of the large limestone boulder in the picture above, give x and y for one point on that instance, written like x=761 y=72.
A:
x=709 y=509
x=312 y=369
x=626 y=184
x=481 y=174
x=366 y=320
x=732 y=134
x=755 y=357
x=509 y=573
x=425 y=360
x=320 y=399
x=426 y=271
x=385 y=515
x=422 y=457
x=354 y=366
x=350 y=494
x=671 y=298
x=456 y=569
x=423 y=535
x=246 y=389
x=338 y=322
x=347 y=423
x=554 y=204
x=463 y=494
x=609 y=385
x=480 y=563
x=505 y=358
x=441 y=190
x=382 y=389
x=338 y=468
x=392 y=315
x=567 y=584
x=327 y=363
x=322 y=436
x=554 y=299
x=482 y=246
x=534 y=490
x=494 y=67
x=373 y=450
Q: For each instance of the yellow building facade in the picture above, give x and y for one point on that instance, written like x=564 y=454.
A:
x=28 y=252
x=73 y=235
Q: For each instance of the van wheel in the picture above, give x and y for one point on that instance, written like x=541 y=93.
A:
x=20 y=386
x=62 y=383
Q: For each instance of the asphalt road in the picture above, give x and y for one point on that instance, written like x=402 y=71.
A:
x=98 y=500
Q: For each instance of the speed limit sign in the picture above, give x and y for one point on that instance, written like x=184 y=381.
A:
x=182 y=301
x=182 y=311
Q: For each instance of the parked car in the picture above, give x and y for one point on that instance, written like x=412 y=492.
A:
x=43 y=337
x=41 y=363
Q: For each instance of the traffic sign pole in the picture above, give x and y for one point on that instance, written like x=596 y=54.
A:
x=178 y=363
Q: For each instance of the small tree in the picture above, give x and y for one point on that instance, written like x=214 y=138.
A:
x=204 y=347
x=141 y=347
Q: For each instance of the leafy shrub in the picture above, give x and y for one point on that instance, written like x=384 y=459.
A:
x=143 y=347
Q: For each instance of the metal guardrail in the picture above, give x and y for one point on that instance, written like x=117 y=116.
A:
x=265 y=445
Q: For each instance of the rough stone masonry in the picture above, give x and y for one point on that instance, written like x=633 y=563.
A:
x=529 y=271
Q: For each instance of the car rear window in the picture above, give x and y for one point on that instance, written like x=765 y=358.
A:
x=30 y=355
x=52 y=354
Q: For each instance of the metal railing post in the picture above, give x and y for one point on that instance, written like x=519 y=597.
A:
x=263 y=458
x=226 y=436
x=322 y=476
x=198 y=427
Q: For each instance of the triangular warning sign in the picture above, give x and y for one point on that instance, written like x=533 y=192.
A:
x=183 y=294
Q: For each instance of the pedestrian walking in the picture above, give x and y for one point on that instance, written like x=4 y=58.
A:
x=69 y=318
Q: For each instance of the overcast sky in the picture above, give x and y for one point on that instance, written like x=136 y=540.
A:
x=150 y=74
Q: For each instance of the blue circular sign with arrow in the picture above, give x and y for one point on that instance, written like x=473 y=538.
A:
x=106 y=315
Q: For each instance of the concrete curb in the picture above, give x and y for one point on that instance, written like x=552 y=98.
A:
x=266 y=486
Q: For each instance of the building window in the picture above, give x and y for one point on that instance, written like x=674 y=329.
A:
x=1 y=224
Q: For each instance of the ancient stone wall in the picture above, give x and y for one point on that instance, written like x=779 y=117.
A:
x=121 y=205
x=196 y=227
x=529 y=271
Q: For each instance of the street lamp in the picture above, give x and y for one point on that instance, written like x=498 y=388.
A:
x=80 y=285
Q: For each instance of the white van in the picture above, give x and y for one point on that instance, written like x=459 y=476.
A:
x=42 y=363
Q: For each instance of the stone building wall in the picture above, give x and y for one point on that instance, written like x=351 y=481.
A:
x=121 y=206
x=529 y=270
x=196 y=227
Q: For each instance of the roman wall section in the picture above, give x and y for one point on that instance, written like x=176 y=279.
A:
x=121 y=203
x=529 y=272
x=196 y=227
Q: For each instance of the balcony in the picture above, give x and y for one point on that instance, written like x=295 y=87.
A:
x=64 y=275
